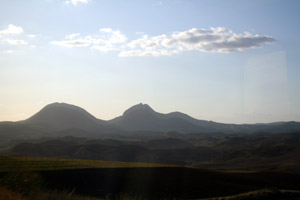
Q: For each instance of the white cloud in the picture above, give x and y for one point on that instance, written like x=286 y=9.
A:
x=216 y=40
x=72 y=43
x=15 y=42
x=162 y=52
x=76 y=2
x=107 y=40
x=13 y=35
x=113 y=36
x=12 y=29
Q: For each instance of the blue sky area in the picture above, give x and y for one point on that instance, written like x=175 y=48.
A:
x=229 y=61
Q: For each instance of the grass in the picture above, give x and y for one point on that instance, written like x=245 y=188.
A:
x=32 y=178
x=21 y=180
x=7 y=194
x=10 y=195
x=235 y=171
x=22 y=163
x=26 y=185
x=262 y=194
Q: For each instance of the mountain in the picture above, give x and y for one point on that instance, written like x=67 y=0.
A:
x=142 y=117
x=62 y=116
x=61 y=119
x=56 y=119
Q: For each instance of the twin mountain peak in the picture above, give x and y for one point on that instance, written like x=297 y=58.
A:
x=141 y=117
x=68 y=112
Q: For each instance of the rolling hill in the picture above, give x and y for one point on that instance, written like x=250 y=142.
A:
x=61 y=119
x=142 y=117
x=62 y=116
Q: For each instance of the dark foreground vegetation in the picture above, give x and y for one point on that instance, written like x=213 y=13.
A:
x=71 y=155
x=117 y=181
x=258 y=152
x=156 y=183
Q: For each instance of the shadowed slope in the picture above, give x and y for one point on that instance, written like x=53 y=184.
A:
x=62 y=116
x=142 y=117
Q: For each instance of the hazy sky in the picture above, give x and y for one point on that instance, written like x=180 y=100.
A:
x=229 y=61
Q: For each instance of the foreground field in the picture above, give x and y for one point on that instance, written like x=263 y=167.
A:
x=263 y=194
x=120 y=180
x=6 y=194
x=20 y=163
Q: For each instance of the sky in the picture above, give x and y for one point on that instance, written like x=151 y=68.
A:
x=228 y=61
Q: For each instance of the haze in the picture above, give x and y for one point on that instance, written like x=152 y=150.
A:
x=233 y=61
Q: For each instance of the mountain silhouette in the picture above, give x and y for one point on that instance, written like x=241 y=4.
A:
x=142 y=117
x=61 y=119
x=62 y=116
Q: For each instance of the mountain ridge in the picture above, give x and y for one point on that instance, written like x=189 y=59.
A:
x=67 y=119
x=60 y=116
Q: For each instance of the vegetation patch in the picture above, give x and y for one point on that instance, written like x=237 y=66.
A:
x=22 y=163
x=262 y=194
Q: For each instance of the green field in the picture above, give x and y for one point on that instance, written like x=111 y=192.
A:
x=21 y=163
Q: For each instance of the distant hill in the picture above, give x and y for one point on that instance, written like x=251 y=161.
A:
x=62 y=116
x=227 y=151
x=142 y=117
x=172 y=151
x=61 y=119
x=56 y=119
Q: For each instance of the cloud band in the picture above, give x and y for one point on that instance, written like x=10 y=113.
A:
x=214 y=40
